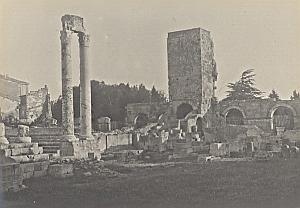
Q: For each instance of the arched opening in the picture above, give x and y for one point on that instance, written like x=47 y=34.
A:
x=283 y=117
x=235 y=117
x=141 y=120
x=182 y=110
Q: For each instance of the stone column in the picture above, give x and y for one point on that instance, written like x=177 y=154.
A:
x=85 y=88
x=67 y=86
x=3 y=140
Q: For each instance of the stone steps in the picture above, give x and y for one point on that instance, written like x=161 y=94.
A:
x=38 y=140
x=50 y=149
x=50 y=145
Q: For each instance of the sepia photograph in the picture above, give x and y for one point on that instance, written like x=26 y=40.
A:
x=150 y=104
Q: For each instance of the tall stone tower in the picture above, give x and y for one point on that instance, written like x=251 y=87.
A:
x=191 y=71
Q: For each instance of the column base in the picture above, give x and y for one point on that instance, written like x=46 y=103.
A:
x=86 y=137
x=69 y=138
x=3 y=140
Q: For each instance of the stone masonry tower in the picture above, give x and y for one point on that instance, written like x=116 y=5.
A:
x=74 y=24
x=191 y=71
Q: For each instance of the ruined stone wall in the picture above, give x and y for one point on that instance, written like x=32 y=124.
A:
x=82 y=148
x=8 y=106
x=12 y=88
x=208 y=68
x=31 y=106
x=152 y=110
x=259 y=111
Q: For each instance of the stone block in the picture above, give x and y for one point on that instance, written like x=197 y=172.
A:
x=39 y=166
x=6 y=152
x=16 y=151
x=24 y=139
x=4 y=146
x=11 y=177
x=19 y=145
x=20 y=158
x=39 y=157
x=23 y=131
x=35 y=150
x=60 y=170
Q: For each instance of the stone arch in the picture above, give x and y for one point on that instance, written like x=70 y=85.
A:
x=141 y=120
x=234 y=115
x=275 y=107
x=282 y=115
x=182 y=110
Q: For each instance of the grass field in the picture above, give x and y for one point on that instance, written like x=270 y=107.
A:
x=216 y=184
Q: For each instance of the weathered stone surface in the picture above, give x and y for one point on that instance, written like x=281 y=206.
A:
x=260 y=112
x=60 y=170
x=191 y=69
x=35 y=105
x=219 y=149
x=67 y=85
x=3 y=139
x=11 y=177
x=24 y=139
x=23 y=131
x=73 y=23
x=85 y=88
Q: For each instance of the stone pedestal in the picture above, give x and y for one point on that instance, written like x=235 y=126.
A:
x=3 y=139
x=23 y=134
x=67 y=85
x=85 y=88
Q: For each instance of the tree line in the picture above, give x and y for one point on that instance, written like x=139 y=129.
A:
x=110 y=100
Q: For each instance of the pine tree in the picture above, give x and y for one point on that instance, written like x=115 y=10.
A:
x=244 y=89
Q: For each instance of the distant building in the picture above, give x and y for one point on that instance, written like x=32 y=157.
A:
x=18 y=104
x=10 y=91
x=34 y=104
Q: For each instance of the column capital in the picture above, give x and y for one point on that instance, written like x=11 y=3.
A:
x=84 y=39
x=66 y=36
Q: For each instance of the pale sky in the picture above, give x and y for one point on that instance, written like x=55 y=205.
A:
x=128 y=40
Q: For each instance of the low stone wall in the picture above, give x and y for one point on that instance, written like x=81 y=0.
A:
x=35 y=169
x=10 y=177
x=94 y=148
x=60 y=170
